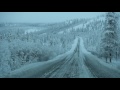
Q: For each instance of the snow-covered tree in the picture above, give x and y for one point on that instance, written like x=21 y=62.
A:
x=4 y=58
x=109 y=38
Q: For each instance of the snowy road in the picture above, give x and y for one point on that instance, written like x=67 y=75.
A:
x=70 y=67
x=76 y=63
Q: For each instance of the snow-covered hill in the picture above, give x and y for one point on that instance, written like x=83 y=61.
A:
x=67 y=26
x=83 y=25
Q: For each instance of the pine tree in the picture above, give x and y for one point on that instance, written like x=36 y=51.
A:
x=109 y=38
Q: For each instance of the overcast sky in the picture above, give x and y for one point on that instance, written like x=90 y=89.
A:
x=44 y=16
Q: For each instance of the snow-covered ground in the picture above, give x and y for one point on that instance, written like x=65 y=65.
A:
x=33 y=30
x=115 y=63
x=30 y=30
x=61 y=32
x=99 y=68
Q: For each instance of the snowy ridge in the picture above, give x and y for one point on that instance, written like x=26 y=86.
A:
x=83 y=25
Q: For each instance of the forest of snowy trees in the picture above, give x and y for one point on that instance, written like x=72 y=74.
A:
x=18 y=48
x=109 y=42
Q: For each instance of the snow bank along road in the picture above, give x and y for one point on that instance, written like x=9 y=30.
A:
x=76 y=63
